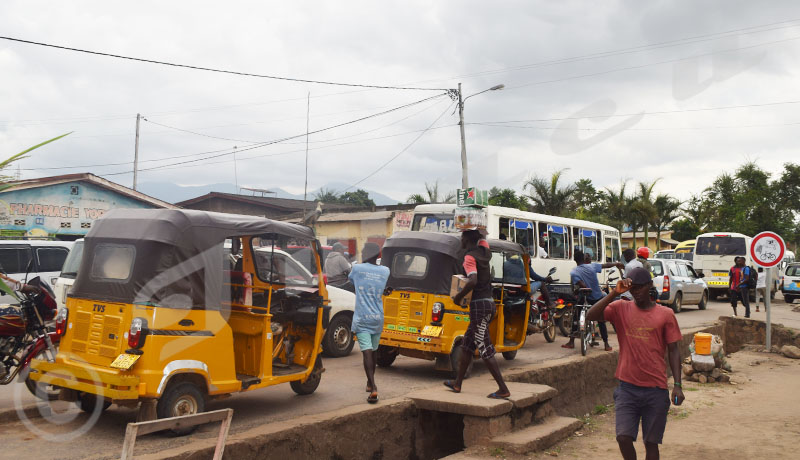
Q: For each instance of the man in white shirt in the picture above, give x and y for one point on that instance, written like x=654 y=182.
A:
x=540 y=251
x=761 y=288
x=631 y=262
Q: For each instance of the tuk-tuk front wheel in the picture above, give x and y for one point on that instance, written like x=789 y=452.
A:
x=311 y=383
x=182 y=398
x=87 y=402
x=509 y=355
x=385 y=356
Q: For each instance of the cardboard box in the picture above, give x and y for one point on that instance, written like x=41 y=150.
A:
x=456 y=284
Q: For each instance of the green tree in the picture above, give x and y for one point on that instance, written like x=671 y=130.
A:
x=684 y=229
x=667 y=210
x=358 y=198
x=644 y=208
x=617 y=206
x=507 y=197
x=548 y=196
x=326 y=195
x=433 y=195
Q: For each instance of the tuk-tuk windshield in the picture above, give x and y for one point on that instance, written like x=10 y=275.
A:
x=507 y=268
x=274 y=264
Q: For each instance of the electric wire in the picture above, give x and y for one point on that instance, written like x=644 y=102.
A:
x=209 y=69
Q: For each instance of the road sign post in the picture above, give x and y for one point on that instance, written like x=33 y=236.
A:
x=767 y=249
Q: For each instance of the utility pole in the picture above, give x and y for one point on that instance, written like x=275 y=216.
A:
x=136 y=152
x=464 y=180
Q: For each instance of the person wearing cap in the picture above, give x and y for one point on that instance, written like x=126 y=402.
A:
x=585 y=276
x=631 y=262
x=481 y=311
x=369 y=280
x=645 y=331
x=337 y=266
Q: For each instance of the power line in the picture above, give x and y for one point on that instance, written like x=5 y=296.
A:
x=209 y=69
x=401 y=151
x=679 y=128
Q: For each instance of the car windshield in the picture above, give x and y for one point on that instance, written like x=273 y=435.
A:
x=275 y=265
x=721 y=246
x=793 y=270
x=656 y=267
x=73 y=262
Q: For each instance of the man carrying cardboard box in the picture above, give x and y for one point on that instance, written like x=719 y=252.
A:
x=481 y=312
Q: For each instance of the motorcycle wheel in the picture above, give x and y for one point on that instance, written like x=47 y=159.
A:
x=40 y=390
x=564 y=322
x=550 y=331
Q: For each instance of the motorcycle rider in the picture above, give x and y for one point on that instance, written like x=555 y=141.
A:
x=641 y=255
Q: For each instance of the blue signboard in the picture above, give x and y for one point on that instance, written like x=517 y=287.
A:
x=60 y=209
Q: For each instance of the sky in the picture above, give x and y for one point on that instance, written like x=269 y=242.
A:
x=679 y=91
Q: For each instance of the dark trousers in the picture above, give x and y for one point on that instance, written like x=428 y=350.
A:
x=742 y=294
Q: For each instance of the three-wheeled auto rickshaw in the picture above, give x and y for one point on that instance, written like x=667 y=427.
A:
x=173 y=307
x=420 y=318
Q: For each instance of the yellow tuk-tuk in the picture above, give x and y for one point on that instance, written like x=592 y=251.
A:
x=173 y=307
x=420 y=318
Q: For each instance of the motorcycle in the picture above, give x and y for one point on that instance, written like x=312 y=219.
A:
x=24 y=334
x=542 y=316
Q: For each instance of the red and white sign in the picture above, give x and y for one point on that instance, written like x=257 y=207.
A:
x=767 y=249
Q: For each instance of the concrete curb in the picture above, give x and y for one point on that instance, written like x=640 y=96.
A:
x=10 y=415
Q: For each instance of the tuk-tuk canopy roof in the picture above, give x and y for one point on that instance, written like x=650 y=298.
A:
x=444 y=243
x=506 y=246
x=184 y=227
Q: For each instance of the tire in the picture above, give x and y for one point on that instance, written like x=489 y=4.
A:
x=566 y=316
x=40 y=390
x=87 y=403
x=338 y=340
x=181 y=398
x=788 y=298
x=455 y=358
x=311 y=383
x=677 y=304
x=385 y=356
x=550 y=331
x=713 y=295
x=703 y=301
x=510 y=355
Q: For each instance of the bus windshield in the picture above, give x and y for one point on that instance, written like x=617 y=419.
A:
x=436 y=223
x=720 y=246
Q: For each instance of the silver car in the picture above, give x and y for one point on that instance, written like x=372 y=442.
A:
x=677 y=284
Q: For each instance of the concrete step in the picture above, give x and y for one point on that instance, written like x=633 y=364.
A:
x=537 y=437
x=473 y=399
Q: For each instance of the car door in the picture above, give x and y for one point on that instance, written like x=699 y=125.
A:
x=697 y=283
x=679 y=282
x=690 y=295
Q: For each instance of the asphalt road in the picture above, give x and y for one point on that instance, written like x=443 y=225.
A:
x=342 y=385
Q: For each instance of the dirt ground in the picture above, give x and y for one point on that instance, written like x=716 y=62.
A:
x=755 y=417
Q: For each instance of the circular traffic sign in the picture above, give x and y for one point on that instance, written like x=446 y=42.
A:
x=767 y=249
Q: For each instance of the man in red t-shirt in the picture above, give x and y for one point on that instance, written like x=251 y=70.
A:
x=645 y=330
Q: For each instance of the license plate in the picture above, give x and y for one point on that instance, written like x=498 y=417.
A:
x=432 y=331
x=125 y=361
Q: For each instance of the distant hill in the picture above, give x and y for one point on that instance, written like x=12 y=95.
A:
x=173 y=193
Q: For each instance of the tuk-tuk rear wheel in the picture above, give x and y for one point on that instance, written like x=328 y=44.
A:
x=385 y=355
x=183 y=398
x=510 y=355
x=87 y=402
x=311 y=383
x=455 y=358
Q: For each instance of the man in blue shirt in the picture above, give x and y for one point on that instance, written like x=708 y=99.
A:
x=370 y=281
x=585 y=276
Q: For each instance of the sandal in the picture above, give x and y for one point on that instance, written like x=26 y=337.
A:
x=452 y=386
x=373 y=397
x=497 y=395
x=566 y=345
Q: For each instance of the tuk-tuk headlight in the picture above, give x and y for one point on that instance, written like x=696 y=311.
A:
x=137 y=333
x=437 y=312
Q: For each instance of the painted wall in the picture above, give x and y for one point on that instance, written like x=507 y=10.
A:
x=61 y=209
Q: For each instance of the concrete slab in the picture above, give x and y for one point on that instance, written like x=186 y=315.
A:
x=473 y=398
x=537 y=437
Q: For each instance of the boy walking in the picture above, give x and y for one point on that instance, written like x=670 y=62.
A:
x=370 y=281
x=739 y=285
x=645 y=330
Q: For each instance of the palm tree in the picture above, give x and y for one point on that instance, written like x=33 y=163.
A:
x=667 y=210
x=617 y=206
x=548 y=197
x=644 y=207
x=434 y=196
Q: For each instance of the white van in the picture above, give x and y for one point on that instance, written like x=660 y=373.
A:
x=69 y=272
x=45 y=257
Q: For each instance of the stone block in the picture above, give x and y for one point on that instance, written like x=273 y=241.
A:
x=480 y=430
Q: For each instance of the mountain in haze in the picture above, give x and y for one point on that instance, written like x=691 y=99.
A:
x=173 y=193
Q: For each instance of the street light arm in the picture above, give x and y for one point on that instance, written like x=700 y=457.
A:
x=493 y=88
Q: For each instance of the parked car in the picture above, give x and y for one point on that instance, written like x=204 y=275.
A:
x=790 y=284
x=338 y=338
x=677 y=284
x=45 y=257
x=69 y=271
x=665 y=254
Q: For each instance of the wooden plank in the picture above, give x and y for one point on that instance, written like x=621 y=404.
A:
x=130 y=440
x=223 y=435
x=182 y=421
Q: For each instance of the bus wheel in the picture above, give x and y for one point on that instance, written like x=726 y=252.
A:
x=311 y=383
x=385 y=356
x=713 y=295
x=182 y=398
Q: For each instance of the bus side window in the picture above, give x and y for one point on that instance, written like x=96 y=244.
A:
x=523 y=234
x=558 y=241
x=504 y=229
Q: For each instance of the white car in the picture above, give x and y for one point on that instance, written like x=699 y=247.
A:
x=41 y=258
x=338 y=339
x=69 y=271
x=790 y=283
x=677 y=284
